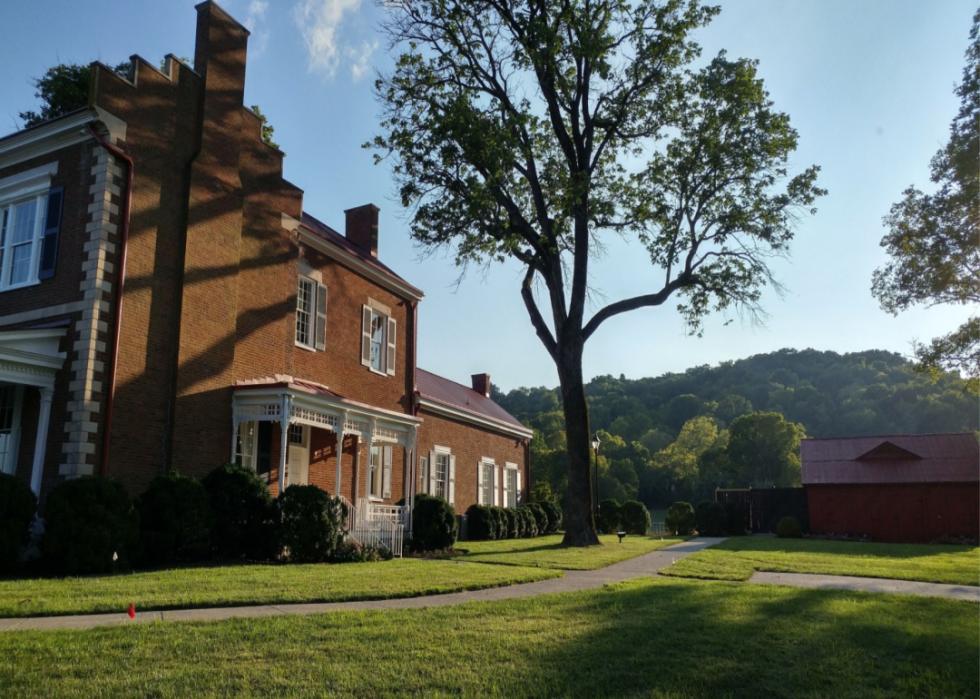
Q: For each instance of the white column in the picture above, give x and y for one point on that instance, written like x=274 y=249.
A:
x=340 y=455
x=284 y=417
x=41 y=439
x=234 y=436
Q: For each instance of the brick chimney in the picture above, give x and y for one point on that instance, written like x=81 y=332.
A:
x=362 y=228
x=481 y=384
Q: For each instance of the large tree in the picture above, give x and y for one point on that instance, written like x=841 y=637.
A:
x=536 y=129
x=934 y=239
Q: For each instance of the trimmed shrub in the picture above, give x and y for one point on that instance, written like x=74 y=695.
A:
x=311 y=523
x=529 y=526
x=175 y=521
x=90 y=527
x=245 y=518
x=788 y=528
x=500 y=522
x=433 y=524
x=513 y=523
x=736 y=518
x=680 y=518
x=711 y=519
x=553 y=511
x=609 y=516
x=356 y=552
x=540 y=517
x=481 y=524
x=17 y=508
x=635 y=518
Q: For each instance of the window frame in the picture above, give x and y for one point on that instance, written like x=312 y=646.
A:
x=509 y=492
x=8 y=205
x=376 y=471
x=310 y=312
x=486 y=481
x=373 y=313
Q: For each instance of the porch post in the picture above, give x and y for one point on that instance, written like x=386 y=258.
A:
x=234 y=434
x=340 y=448
x=284 y=418
x=41 y=439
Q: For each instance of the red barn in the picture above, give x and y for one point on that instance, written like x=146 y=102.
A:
x=894 y=488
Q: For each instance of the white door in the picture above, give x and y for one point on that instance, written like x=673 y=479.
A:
x=298 y=456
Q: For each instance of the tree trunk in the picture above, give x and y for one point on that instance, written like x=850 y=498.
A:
x=578 y=516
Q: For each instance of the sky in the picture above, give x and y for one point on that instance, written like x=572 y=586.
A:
x=868 y=84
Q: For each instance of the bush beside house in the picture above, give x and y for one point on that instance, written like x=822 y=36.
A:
x=311 y=523
x=245 y=515
x=17 y=508
x=433 y=524
x=175 y=521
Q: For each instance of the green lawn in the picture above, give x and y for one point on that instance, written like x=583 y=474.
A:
x=654 y=637
x=547 y=551
x=737 y=558
x=253 y=584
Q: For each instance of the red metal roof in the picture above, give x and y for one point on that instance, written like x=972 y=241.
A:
x=327 y=233
x=933 y=458
x=456 y=395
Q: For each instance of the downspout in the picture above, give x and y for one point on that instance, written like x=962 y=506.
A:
x=110 y=391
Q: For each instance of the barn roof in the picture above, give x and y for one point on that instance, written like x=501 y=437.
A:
x=905 y=458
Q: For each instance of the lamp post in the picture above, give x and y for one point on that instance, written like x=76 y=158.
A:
x=595 y=479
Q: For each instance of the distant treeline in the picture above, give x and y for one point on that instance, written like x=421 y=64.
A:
x=679 y=435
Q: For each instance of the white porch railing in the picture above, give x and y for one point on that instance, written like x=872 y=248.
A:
x=376 y=524
x=349 y=514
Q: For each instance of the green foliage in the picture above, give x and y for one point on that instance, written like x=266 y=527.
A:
x=434 y=525
x=680 y=518
x=311 y=523
x=17 y=508
x=244 y=514
x=609 y=516
x=932 y=238
x=514 y=525
x=540 y=517
x=90 y=527
x=635 y=517
x=711 y=519
x=501 y=523
x=266 y=128
x=553 y=510
x=62 y=89
x=788 y=528
x=175 y=521
x=829 y=394
x=356 y=552
x=764 y=450
x=541 y=492
x=481 y=524
x=528 y=520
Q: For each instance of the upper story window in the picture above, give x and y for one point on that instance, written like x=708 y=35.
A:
x=30 y=218
x=379 y=332
x=311 y=314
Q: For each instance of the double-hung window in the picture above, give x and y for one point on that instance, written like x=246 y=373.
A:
x=486 y=482
x=379 y=472
x=442 y=474
x=30 y=216
x=511 y=486
x=311 y=314
x=379 y=333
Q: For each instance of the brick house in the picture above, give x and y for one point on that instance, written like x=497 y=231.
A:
x=166 y=302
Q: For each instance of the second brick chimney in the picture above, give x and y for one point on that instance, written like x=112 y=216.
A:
x=481 y=384
x=362 y=228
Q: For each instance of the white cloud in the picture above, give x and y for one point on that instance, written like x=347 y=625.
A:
x=254 y=22
x=360 y=59
x=319 y=22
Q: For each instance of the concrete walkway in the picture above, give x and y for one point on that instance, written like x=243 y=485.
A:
x=572 y=581
x=847 y=582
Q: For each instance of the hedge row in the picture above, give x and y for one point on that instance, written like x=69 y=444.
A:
x=486 y=522
x=632 y=517
x=92 y=526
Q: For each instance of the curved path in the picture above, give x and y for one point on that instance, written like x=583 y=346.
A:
x=572 y=581
x=851 y=582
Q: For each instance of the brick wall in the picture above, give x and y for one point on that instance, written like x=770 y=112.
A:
x=470 y=444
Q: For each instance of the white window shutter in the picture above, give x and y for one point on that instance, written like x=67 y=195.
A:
x=365 y=336
x=452 y=480
x=496 y=486
x=432 y=473
x=424 y=474
x=386 y=473
x=479 y=483
x=392 y=338
x=321 y=317
x=517 y=499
